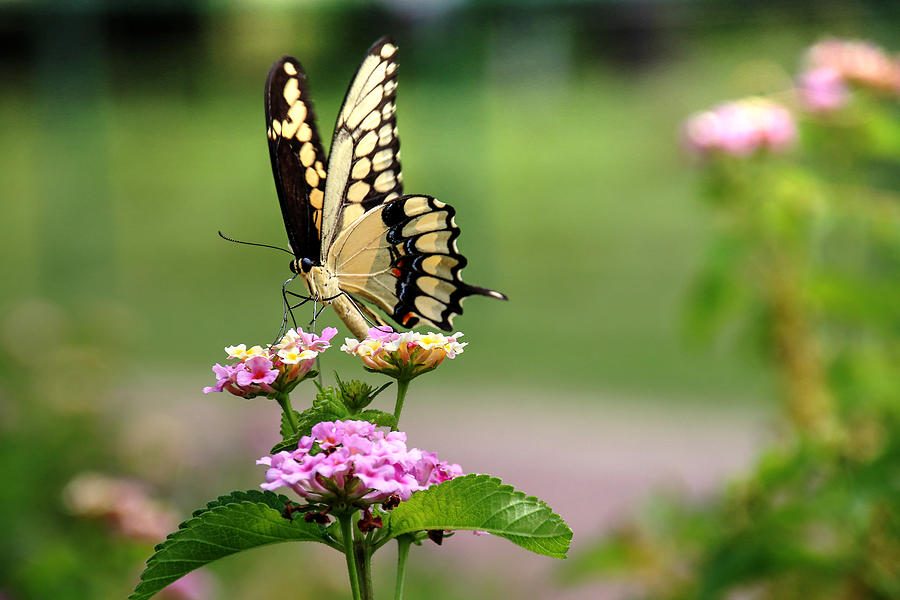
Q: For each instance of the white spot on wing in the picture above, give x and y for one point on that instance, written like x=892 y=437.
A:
x=371 y=122
x=415 y=205
x=382 y=159
x=291 y=90
x=361 y=169
x=429 y=308
x=357 y=192
x=304 y=134
x=366 y=144
x=365 y=106
x=307 y=154
x=312 y=178
x=385 y=181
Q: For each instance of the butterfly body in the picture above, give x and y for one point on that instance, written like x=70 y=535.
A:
x=354 y=234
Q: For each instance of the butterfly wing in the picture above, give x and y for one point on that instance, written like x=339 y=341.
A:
x=297 y=155
x=402 y=257
x=364 y=166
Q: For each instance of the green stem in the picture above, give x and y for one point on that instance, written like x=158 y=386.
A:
x=364 y=567
x=285 y=401
x=346 y=521
x=403 y=544
x=402 y=386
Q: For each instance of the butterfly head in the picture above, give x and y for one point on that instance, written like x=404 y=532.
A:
x=301 y=266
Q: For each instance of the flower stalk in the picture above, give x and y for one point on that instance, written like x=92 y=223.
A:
x=402 y=387
x=346 y=521
x=403 y=544
x=284 y=401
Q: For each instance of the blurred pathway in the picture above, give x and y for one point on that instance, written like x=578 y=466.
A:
x=595 y=462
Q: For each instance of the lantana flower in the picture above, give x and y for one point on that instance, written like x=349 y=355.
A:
x=405 y=355
x=741 y=128
x=353 y=464
x=855 y=61
x=823 y=89
x=271 y=370
x=123 y=503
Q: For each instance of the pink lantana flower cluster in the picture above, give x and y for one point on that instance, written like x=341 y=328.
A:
x=275 y=369
x=741 y=128
x=403 y=355
x=123 y=503
x=832 y=64
x=351 y=462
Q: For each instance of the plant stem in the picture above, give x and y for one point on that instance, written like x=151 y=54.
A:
x=364 y=567
x=346 y=521
x=285 y=401
x=402 y=386
x=403 y=544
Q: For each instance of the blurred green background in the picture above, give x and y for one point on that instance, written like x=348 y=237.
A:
x=133 y=131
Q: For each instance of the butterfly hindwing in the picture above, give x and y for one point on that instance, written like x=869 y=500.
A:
x=364 y=165
x=402 y=257
x=298 y=160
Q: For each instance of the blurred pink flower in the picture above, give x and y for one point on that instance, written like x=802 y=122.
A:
x=196 y=585
x=858 y=62
x=123 y=503
x=823 y=89
x=354 y=463
x=741 y=128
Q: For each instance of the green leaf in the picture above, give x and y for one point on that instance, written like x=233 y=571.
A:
x=286 y=431
x=378 y=417
x=286 y=444
x=230 y=524
x=482 y=502
x=328 y=407
x=324 y=408
x=271 y=499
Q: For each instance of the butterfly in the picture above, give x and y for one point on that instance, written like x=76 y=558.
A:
x=353 y=233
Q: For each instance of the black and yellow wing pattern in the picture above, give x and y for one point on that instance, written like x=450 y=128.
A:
x=397 y=252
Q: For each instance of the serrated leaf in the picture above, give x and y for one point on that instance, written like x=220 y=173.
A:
x=482 y=502
x=323 y=409
x=287 y=431
x=227 y=525
x=286 y=444
x=377 y=417
x=271 y=499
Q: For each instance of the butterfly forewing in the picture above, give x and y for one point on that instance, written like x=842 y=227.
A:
x=298 y=160
x=402 y=257
x=364 y=165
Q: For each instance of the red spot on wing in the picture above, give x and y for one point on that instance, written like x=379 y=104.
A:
x=397 y=272
x=406 y=318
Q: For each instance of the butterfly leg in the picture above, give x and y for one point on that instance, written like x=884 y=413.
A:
x=318 y=311
x=359 y=310
x=288 y=309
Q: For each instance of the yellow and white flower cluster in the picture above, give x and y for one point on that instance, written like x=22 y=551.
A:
x=403 y=355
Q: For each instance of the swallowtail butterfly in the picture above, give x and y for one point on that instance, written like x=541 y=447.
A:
x=353 y=232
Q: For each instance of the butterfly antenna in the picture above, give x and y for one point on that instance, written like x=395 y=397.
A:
x=225 y=237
